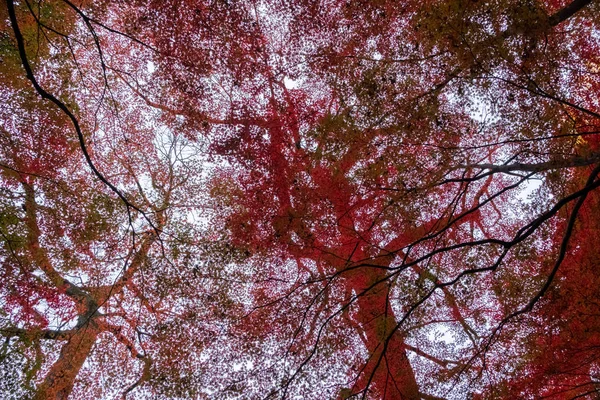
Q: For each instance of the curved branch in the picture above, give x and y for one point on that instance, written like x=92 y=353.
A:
x=62 y=106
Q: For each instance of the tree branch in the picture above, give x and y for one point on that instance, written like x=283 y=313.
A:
x=540 y=167
x=568 y=11
x=35 y=333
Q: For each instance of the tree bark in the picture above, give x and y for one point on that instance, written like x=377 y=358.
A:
x=59 y=381
x=388 y=370
x=567 y=12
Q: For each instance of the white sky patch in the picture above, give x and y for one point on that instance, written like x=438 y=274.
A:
x=151 y=67
x=528 y=189
x=237 y=367
x=482 y=111
x=290 y=83
x=443 y=334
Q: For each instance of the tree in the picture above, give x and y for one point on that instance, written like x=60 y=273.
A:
x=95 y=248
x=368 y=165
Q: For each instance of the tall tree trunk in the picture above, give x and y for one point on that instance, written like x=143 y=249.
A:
x=59 y=381
x=387 y=370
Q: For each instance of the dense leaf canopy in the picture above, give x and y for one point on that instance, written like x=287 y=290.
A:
x=300 y=199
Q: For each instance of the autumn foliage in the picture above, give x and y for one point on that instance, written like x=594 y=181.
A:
x=299 y=199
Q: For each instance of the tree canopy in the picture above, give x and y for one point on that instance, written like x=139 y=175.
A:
x=300 y=199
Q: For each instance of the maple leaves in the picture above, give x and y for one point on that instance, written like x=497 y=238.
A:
x=230 y=198
x=81 y=236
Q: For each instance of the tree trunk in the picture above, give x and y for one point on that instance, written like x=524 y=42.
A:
x=59 y=381
x=387 y=370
